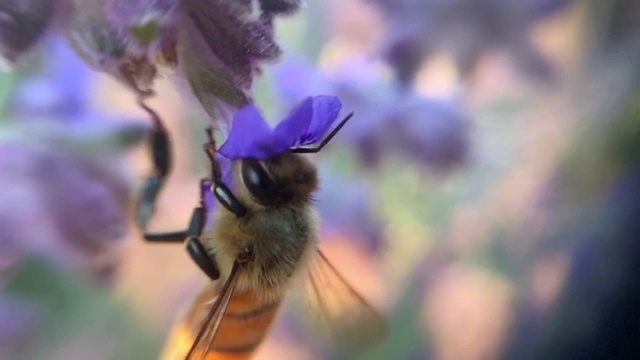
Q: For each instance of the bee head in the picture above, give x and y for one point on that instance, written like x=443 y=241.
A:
x=287 y=179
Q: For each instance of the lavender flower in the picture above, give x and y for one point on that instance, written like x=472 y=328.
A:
x=215 y=47
x=465 y=29
x=251 y=136
x=63 y=174
x=106 y=47
x=434 y=132
x=23 y=23
x=68 y=185
x=65 y=198
x=145 y=24
x=348 y=206
x=220 y=48
x=18 y=322
x=57 y=89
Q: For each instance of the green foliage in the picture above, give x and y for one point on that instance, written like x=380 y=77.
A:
x=77 y=317
x=7 y=82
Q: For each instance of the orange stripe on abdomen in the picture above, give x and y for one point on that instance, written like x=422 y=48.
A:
x=245 y=324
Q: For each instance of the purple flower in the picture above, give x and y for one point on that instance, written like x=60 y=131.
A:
x=18 y=320
x=65 y=181
x=62 y=171
x=58 y=89
x=23 y=23
x=106 y=47
x=220 y=48
x=349 y=206
x=143 y=23
x=464 y=29
x=213 y=47
x=434 y=132
x=251 y=136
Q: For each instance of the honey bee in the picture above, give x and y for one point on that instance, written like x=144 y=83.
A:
x=264 y=241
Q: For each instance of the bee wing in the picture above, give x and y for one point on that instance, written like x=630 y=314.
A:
x=341 y=311
x=202 y=318
x=182 y=335
x=203 y=344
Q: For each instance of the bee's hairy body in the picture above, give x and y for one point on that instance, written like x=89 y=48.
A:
x=264 y=236
x=283 y=237
x=282 y=240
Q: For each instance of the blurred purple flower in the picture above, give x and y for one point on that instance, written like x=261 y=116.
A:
x=349 y=206
x=145 y=24
x=434 y=132
x=18 y=319
x=251 y=136
x=215 y=47
x=107 y=47
x=62 y=172
x=23 y=23
x=70 y=186
x=220 y=49
x=58 y=89
x=465 y=29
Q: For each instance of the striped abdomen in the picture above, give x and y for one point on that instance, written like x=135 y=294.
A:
x=244 y=325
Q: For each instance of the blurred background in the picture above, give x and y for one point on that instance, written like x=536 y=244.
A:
x=485 y=196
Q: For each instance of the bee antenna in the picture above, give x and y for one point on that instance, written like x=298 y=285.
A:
x=325 y=141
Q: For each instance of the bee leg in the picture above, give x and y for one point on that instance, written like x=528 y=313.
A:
x=161 y=155
x=196 y=224
x=196 y=250
x=205 y=261
x=221 y=191
x=227 y=199
x=201 y=257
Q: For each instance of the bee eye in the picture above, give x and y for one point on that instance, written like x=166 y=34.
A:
x=258 y=182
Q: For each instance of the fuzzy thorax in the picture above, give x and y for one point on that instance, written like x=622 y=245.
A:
x=283 y=241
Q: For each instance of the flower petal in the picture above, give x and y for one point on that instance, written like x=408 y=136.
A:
x=250 y=136
x=325 y=112
x=290 y=130
x=309 y=122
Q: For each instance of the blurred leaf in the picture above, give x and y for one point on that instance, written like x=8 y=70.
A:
x=146 y=34
x=406 y=334
x=79 y=319
x=7 y=82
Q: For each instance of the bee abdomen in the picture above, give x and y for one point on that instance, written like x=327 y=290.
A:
x=245 y=324
x=250 y=314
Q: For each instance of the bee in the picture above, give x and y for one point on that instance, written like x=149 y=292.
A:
x=263 y=241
